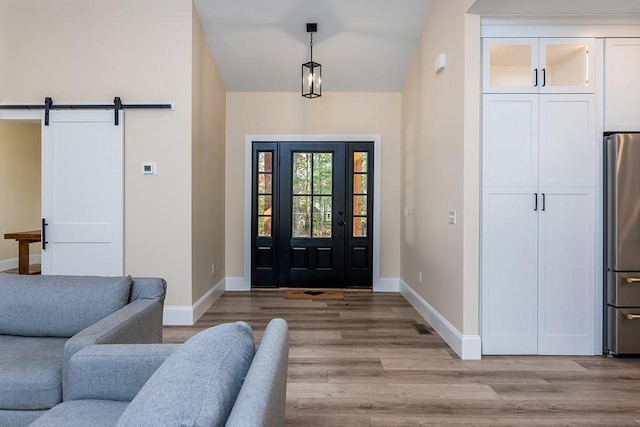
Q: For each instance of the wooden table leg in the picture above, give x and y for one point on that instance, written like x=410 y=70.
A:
x=23 y=257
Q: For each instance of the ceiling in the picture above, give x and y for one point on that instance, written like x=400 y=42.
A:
x=363 y=45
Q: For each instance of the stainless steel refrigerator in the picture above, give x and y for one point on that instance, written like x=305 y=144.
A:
x=622 y=249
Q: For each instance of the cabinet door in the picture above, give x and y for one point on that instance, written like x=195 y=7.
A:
x=567 y=141
x=509 y=65
x=622 y=85
x=566 y=65
x=566 y=323
x=509 y=271
x=510 y=141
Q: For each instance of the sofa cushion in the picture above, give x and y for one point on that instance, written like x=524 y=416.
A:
x=58 y=306
x=198 y=384
x=30 y=372
x=73 y=413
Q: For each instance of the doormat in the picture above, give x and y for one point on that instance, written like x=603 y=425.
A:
x=299 y=294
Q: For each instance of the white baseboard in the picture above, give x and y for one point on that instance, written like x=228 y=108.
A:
x=8 y=264
x=238 y=284
x=387 y=285
x=189 y=315
x=468 y=347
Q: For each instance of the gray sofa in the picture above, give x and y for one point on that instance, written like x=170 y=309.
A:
x=216 y=378
x=44 y=320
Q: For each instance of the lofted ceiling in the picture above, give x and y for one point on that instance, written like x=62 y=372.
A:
x=363 y=45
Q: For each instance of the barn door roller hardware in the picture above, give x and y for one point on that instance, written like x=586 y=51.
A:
x=116 y=107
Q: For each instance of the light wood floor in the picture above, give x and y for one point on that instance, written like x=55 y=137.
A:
x=361 y=362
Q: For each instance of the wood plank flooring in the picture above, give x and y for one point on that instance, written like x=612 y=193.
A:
x=361 y=362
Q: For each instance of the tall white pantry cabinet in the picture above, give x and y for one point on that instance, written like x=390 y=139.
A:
x=538 y=196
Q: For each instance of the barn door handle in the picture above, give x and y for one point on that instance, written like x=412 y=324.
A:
x=44 y=234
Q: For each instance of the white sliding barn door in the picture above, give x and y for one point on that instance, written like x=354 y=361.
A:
x=83 y=193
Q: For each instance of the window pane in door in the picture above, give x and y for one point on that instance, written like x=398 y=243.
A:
x=360 y=205
x=567 y=65
x=322 y=173
x=301 y=216
x=265 y=161
x=264 y=183
x=264 y=205
x=322 y=216
x=360 y=227
x=360 y=162
x=359 y=184
x=301 y=170
x=264 y=226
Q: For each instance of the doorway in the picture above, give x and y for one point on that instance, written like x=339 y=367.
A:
x=20 y=154
x=80 y=213
x=312 y=214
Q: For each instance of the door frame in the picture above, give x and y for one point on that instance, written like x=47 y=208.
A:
x=245 y=283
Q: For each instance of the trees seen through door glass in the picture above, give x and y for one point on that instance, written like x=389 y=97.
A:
x=312 y=197
x=360 y=177
x=265 y=192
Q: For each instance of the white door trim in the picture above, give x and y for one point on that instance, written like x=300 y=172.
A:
x=379 y=284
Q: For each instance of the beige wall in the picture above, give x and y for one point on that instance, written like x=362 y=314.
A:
x=435 y=178
x=207 y=159
x=92 y=51
x=333 y=113
x=19 y=183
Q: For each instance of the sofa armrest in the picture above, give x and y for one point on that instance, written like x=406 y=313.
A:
x=262 y=398
x=113 y=371
x=139 y=322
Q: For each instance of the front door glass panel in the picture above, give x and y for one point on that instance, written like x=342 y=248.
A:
x=265 y=192
x=312 y=196
x=360 y=178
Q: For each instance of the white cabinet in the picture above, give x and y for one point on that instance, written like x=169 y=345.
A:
x=622 y=85
x=566 y=272
x=532 y=65
x=538 y=224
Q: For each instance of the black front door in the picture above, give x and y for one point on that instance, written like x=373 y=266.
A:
x=312 y=214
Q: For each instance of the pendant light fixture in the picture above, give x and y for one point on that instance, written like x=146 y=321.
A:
x=311 y=71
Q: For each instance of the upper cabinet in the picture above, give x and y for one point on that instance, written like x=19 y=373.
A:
x=622 y=85
x=538 y=65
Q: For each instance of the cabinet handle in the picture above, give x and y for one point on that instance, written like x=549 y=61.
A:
x=633 y=280
x=535 y=73
x=535 y=201
x=633 y=316
x=544 y=77
x=544 y=204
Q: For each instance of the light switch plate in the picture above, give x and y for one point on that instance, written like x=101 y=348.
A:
x=452 y=217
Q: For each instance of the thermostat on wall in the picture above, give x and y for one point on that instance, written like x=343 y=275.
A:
x=149 y=168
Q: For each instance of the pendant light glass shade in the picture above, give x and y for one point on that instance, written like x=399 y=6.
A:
x=311 y=71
